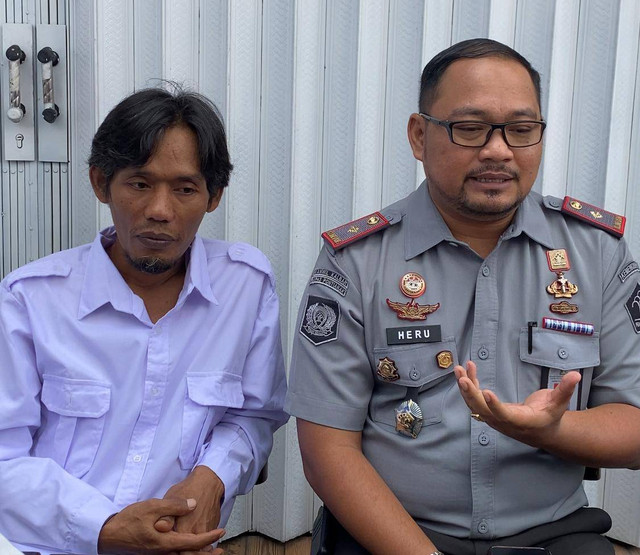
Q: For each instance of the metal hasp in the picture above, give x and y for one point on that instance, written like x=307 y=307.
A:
x=18 y=99
x=48 y=58
x=16 y=56
x=52 y=67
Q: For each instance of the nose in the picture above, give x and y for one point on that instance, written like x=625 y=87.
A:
x=496 y=148
x=160 y=205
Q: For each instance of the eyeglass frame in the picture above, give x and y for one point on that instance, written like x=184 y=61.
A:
x=449 y=127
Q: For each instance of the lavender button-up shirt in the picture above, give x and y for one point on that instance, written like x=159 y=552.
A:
x=101 y=408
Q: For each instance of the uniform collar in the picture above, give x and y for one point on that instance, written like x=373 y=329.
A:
x=104 y=284
x=426 y=228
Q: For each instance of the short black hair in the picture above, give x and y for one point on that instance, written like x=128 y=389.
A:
x=472 y=48
x=130 y=133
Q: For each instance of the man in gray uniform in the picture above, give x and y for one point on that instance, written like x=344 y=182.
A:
x=465 y=353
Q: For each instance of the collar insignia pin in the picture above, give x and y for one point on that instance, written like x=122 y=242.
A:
x=387 y=370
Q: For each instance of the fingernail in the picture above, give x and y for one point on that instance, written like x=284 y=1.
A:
x=191 y=503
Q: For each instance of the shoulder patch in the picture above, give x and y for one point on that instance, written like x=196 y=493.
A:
x=348 y=233
x=610 y=222
x=243 y=252
x=38 y=269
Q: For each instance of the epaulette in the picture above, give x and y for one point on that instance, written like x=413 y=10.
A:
x=250 y=255
x=39 y=268
x=348 y=233
x=613 y=223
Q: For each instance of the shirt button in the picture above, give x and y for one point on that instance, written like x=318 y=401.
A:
x=483 y=527
x=154 y=391
x=486 y=271
x=483 y=439
x=563 y=353
x=137 y=458
x=483 y=353
x=414 y=375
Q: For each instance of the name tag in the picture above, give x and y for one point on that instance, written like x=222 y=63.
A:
x=413 y=334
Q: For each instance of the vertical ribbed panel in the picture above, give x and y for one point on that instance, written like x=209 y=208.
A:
x=502 y=21
x=180 y=44
x=147 y=43
x=470 y=19
x=403 y=88
x=371 y=90
x=592 y=100
x=245 y=44
x=212 y=79
x=339 y=111
x=622 y=105
x=560 y=105
x=632 y=210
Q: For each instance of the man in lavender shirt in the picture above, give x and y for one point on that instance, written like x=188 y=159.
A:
x=142 y=375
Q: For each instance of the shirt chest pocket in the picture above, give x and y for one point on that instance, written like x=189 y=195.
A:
x=421 y=372
x=548 y=355
x=207 y=398
x=74 y=421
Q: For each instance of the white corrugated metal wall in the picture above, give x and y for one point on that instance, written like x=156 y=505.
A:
x=316 y=96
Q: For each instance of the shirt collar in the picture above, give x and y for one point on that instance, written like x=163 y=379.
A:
x=426 y=228
x=104 y=284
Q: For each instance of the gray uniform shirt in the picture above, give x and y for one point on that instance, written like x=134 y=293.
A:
x=459 y=476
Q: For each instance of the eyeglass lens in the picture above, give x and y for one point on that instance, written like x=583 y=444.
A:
x=515 y=134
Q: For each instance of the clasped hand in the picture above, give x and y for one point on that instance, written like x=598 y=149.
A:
x=530 y=421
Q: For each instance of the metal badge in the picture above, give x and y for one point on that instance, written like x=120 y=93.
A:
x=412 y=285
x=558 y=260
x=575 y=204
x=387 y=370
x=445 y=359
x=561 y=287
x=409 y=419
x=373 y=220
x=563 y=307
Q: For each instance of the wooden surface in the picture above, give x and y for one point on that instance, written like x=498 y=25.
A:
x=254 y=544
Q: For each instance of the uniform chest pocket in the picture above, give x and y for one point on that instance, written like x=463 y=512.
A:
x=554 y=353
x=424 y=372
x=74 y=421
x=207 y=398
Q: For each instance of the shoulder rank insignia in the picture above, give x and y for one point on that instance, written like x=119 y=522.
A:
x=343 y=235
x=613 y=223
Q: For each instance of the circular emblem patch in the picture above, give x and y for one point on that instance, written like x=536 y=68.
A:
x=412 y=285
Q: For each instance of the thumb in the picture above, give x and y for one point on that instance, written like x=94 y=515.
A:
x=562 y=394
x=171 y=507
x=165 y=524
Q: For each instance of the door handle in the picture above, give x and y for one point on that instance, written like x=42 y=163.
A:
x=48 y=58
x=16 y=110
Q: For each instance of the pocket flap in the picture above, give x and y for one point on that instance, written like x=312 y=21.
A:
x=556 y=349
x=222 y=389
x=73 y=397
x=419 y=364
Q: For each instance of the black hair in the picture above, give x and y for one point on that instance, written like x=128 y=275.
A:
x=472 y=48
x=130 y=133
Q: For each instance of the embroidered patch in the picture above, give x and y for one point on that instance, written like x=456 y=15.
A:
x=320 y=321
x=629 y=269
x=633 y=308
x=332 y=280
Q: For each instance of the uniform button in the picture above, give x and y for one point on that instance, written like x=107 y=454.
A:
x=414 y=375
x=563 y=353
x=483 y=527
x=137 y=458
x=483 y=439
x=553 y=202
x=486 y=271
x=483 y=353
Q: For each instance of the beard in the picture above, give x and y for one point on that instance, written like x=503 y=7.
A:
x=150 y=264
x=491 y=207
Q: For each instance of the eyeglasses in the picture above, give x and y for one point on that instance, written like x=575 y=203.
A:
x=517 y=134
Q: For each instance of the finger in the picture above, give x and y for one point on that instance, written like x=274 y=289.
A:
x=193 y=542
x=169 y=507
x=165 y=524
x=472 y=373
x=561 y=395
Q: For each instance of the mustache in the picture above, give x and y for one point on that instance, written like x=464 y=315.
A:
x=495 y=168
